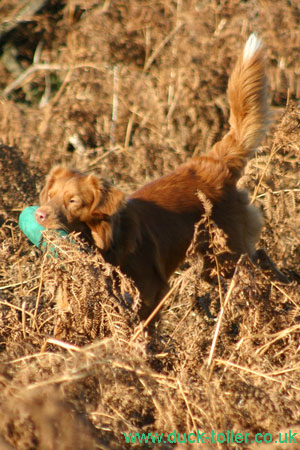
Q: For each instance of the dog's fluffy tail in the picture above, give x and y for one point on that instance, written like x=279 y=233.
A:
x=249 y=112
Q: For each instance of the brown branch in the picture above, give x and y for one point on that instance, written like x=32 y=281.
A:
x=22 y=15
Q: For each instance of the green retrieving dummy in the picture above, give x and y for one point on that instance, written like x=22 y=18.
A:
x=31 y=228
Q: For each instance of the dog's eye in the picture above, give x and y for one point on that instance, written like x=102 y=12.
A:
x=75 y=201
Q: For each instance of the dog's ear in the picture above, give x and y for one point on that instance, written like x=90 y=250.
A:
x=102 y=234
x=107 y=200
x=54 y=174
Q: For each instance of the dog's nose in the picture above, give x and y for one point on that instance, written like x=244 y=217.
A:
x=40 y=216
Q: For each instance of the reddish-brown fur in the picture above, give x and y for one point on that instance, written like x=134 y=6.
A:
x=147 y=234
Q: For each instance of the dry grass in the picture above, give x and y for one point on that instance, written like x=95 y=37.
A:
x=130 y=92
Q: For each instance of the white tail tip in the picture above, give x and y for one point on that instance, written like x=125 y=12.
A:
x=253 y=44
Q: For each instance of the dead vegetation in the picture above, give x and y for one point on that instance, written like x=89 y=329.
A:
x=130 y=90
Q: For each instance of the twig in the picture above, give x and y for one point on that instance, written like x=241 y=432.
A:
x=8 y=286
x=54 y=100
x=128 y=131
x=253 y=372
x=115 y=105
x=18 y=260
x=35 y=356
x=278 y=192
x=280 y=335
x=33 y=68
x=24 y=319
x=218 y=326
x=178 y=325
x=10 y=305
x=106 y=154
x=63 y=344
x=159 y=48
x=23 y=15
x=46 y=321
x=38 y=295
x=285 y=294
x=283 y=371
x=188 y=406
x=273 y=152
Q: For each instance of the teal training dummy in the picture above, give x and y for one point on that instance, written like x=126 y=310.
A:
x=32 y=229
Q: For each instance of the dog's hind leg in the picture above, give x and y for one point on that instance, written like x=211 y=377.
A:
x=265 y=263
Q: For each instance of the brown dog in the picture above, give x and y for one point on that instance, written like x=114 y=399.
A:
x=147 y=234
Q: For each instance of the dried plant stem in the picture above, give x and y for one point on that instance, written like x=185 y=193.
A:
x=18 y=261
x=128 y=131
x=188 y=406
x=274 y=150
x=253 y=372
x=159 y=48
x=9 y=286
x=218 y=326
x=115 y=106
x=155 y=401
x=278 y=192
x=178 y=326
x=63 y=344
x=216 y=261
x=21 y=13
x=38 y=298
x=275 y=285
x=24 y=319
x=51 y=356
x=24 y=75
x=280 y=335
x=17 y=308
x=38 y=67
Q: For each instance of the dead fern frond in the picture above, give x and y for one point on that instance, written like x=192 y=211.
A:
x=93 y=297
x=210 y=242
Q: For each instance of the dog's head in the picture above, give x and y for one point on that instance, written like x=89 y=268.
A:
x=71 y=200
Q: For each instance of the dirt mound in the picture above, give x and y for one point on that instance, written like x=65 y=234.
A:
x=130 y=91
x=18 y=183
